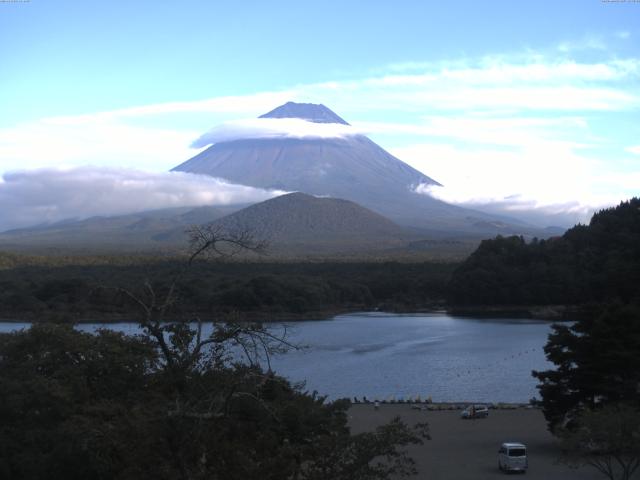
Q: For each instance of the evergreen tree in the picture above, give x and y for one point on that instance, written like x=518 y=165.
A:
x=597 y=362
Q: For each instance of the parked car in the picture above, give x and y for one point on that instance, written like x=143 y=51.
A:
x=512 y=457
x=475 y=411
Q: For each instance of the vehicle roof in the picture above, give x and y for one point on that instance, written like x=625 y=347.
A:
x=513 y=445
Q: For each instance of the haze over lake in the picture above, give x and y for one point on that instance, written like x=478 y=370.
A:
x=382 y=354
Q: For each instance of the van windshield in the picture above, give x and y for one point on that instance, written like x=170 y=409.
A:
x=517 y=452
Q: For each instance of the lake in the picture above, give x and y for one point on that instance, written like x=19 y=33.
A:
x=379 y=355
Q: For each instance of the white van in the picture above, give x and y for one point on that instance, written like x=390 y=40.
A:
x=512 y=457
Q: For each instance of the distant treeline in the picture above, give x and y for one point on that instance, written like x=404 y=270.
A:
x=588 y=264
x=265 y=290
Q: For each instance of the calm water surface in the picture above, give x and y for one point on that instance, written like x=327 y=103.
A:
x=379 y=355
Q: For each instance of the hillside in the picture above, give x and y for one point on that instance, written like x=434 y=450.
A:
x=140 y=231
x=589 y=263
x=306 y=223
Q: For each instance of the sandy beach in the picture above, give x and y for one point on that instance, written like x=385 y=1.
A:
x=467 y=449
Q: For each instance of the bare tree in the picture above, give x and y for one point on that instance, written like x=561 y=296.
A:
x=181 y=345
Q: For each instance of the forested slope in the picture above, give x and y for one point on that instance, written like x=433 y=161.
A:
x=589 y=263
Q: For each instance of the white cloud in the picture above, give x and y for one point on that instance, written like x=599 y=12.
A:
x=252 y=104
x=503 y=131
x=48 y=143
x=120 y=138
x=255 y=128
x=529 y=81
x=464 y=97
x=588 y=42
x=48 y=195
x=545 y=176
x=635 y=149
x=498 y=71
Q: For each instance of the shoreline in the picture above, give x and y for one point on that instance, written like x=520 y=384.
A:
x=532 y=312
x=536 y=312
x=446 y=405
x=220 y=317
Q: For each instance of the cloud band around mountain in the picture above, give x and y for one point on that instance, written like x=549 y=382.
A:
x=273 y=128
x=49 y=195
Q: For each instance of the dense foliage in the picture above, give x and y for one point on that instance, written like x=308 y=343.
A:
x=76 y=405
x=210 y=288
x=173 y=403
x=597 y=362
x=594 y=263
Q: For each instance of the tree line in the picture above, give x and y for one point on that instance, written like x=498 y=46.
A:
x=211 y=288
x=590 y=263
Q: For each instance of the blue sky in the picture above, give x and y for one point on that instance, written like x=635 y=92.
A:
x=523 y=104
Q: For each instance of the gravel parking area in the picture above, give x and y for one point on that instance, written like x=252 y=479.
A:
x=468 y=449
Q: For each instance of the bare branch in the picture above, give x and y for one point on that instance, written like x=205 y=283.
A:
x=212 y=238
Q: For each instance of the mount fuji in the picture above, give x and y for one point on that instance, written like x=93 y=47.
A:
x=350 y=167
x=352 y=196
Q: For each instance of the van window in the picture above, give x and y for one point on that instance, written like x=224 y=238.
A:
x=517 y=452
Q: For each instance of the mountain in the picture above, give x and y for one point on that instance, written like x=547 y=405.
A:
x=351 y=167
x=301 y=223
x=368 y=201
